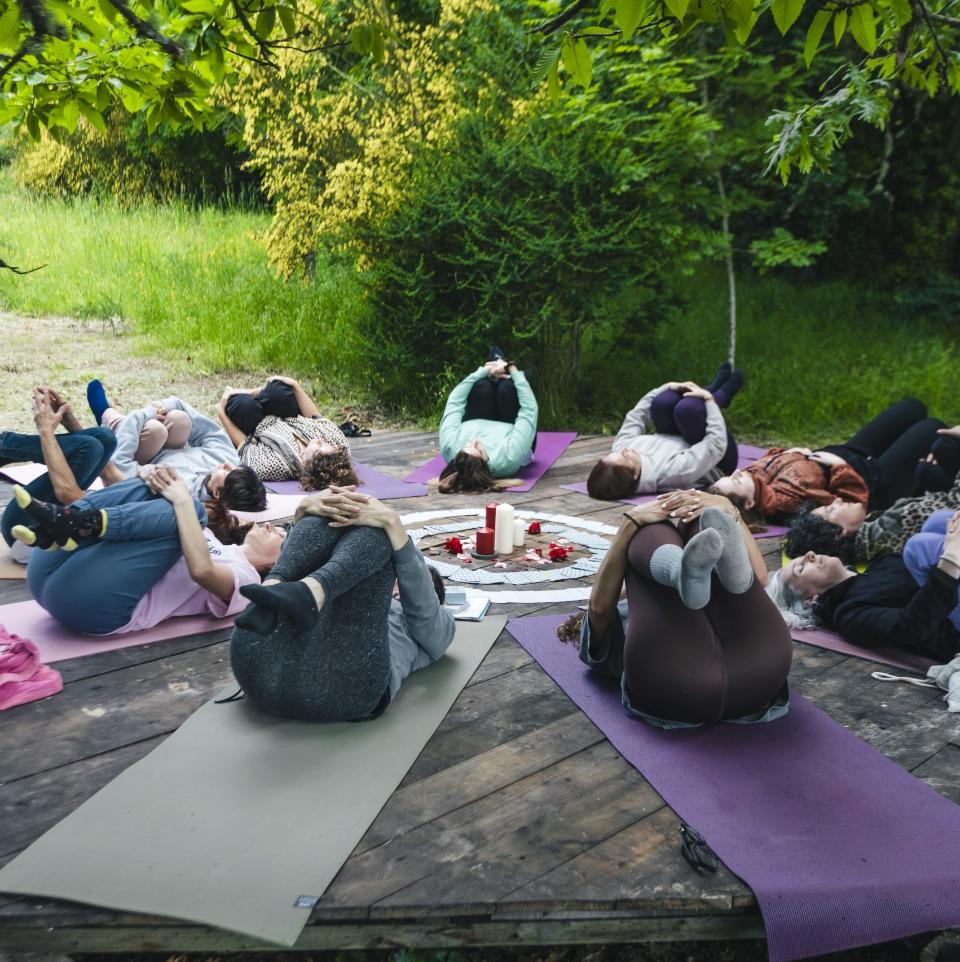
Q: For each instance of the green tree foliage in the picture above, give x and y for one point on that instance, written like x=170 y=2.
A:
x=554 y=234
x=129 y=164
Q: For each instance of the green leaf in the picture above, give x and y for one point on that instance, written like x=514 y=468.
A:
x=815 y=35
x=104 y=97
x=199 y=6
x=361 y=38
x=627 y=17
x=902 y=11
x=92 y=116
x=785 y=13
x=108 y=10
x=553 y=80
x=377 y=48
x=863 y=26
x=738 y=11
x=677 y=7
x=33 y=126
x=745 y=29
x=576 y=59
x=266 y=19
x=10 y=25
x=288 y=20
x=839 y=26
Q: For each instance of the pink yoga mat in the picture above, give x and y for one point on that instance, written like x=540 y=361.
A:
x=895 y=657
x=278 y=506
x=56 y=643
x=373 y=482
x=550 y=445
x=23 y=474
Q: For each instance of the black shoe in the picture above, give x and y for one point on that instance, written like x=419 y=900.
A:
x=496 y=354
x=64 y=526
x=33 y=537
x=723 y=372
x=932 y=477
x=946 y=450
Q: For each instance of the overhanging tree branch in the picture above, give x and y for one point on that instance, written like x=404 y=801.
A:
x=147 y=30
x=16 y=270
x=564 y=17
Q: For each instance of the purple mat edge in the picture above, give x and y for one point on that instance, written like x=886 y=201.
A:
x=380 y=482
x=791 y=933
x=831 y=641
x=535 y=470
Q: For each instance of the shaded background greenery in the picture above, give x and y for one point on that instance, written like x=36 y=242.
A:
x=584 y=235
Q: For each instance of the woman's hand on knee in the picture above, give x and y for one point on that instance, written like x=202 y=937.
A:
x=689 y=505
x=329 y=503
x=643 y=514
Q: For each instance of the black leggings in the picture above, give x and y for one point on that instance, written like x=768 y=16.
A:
x=248 y=410
x=494 y=399
x=724 y=661
x=894 y=442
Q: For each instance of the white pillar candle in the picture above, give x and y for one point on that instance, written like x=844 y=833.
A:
x=519 y=532
x=503 y=536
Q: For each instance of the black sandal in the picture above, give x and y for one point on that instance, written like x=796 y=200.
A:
x=352 y=430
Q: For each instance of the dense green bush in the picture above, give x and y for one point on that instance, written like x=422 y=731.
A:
x=552 y=235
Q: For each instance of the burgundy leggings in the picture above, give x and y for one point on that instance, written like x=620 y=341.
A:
x=723 y=661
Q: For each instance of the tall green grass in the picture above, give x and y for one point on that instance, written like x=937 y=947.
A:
x=191 y=281
x=820 y=359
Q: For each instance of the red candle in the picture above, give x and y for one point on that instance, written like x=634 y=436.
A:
x=485 y=540
x=491 y=516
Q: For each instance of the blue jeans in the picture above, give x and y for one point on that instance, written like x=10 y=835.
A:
x=87 y=452
x=95 y=589
x=923 y=551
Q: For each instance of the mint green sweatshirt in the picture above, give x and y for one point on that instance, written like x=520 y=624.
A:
x=508 y=445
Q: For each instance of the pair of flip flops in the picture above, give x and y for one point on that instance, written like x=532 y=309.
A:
x=352 y=430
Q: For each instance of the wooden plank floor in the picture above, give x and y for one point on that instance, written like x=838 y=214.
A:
x=518 y=824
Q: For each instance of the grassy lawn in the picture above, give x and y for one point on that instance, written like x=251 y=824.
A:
x=195 y=284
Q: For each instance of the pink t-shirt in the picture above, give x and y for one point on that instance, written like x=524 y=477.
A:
x=177 y=594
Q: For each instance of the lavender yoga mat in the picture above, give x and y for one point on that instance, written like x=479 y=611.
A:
x=57 y=643
x=30 y=471
x=841 y=846
x=550 y=445
x=895 y=657
x=373 y=482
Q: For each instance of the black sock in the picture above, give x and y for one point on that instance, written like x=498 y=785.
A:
x=261 y=621
x=932 y=477
x=947 y=452
x=293 y=600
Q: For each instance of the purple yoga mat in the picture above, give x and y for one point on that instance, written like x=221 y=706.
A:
x=375 y=483
x=550 y=445
x=57 y=643
x=25 y=473
x=895 y=657
x=841 y=846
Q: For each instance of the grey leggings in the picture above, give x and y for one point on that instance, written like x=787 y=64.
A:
x=339 y=670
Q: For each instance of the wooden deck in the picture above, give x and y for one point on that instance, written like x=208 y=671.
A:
x=517 y=825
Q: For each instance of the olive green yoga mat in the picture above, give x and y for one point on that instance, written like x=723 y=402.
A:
x=240 y=820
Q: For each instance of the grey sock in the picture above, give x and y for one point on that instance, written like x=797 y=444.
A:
x=688 y=569
x=733 y=569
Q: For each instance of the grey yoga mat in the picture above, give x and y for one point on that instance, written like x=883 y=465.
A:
x=841 y=846
x=238 y=815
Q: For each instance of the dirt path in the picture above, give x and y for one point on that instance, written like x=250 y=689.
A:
x=65 y=354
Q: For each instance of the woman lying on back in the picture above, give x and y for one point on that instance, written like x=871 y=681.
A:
x=129 y=559
x=488 y=429
x=280 y=433
x=874 y=468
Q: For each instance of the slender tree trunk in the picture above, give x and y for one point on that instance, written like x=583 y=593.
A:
x=731 y=271
x=724 y=222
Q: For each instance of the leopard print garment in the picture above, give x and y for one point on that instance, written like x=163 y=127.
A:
x=886 y=532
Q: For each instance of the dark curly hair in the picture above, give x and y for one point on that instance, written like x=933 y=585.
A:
x=226 y=527
x=611 y=482
x=569 y=631
x=321 y=470
x=809 y=532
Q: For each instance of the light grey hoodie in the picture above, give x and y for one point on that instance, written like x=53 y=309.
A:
x=667 y=462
